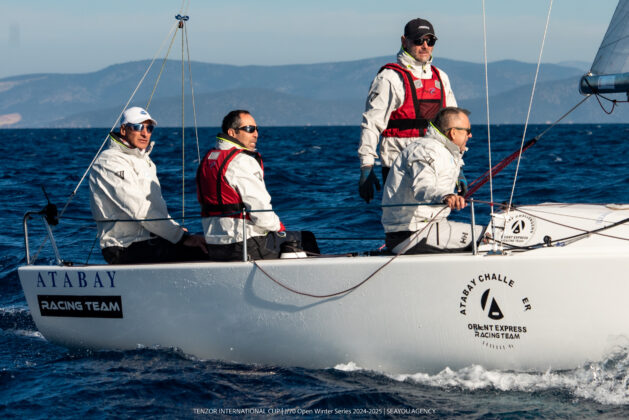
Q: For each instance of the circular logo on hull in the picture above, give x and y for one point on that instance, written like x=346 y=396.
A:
x=495 y=311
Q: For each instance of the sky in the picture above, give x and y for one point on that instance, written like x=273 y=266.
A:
x=78 y=36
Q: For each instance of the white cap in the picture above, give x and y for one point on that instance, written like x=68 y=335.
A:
x=136 y=115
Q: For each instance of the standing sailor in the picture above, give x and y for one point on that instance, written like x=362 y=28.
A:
x=402 y=99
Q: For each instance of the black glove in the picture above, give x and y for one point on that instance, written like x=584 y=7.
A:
x=461 y=184
x=367 y=182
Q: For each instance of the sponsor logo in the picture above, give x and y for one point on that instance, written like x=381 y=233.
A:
x=495 y=311
x=76 y=279
x=519 y=229
x=418 y=83
x=80 y=306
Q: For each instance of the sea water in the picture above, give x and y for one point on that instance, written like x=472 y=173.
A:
x=312 y=175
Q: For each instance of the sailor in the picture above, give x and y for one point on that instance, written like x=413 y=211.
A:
x=402 y=99
x=124 y=186
x=426 y=173
x=230 y=178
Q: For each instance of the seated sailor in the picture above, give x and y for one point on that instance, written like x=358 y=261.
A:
x=426 y=173
x=230 y=178
x=127 y=203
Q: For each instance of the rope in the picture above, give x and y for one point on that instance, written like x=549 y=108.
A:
x=599 y=95
x=87 y=260
x=161 y=70
x=491 y=186
x=482 y=180
x=89 y=167
x=194 y=109
x=528 y=113
x=568 y=238
x=183 y=125
x=342 y=292
x=113 y=127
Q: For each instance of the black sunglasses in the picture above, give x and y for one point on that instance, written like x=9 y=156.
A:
x=248 y=128
x=468 y=130
x=429 y=40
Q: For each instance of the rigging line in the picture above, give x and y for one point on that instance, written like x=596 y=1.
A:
x=491 y=185
x=227 y=214
x=528 y=113
x=603 y=108
x=114 y=125
x=87 y=260
x=194 y=109
x=161 y=70
x=482 y=180
x=568 y=239
x=183 y=126
x=356 y=286
x=585 y=231
x=89 y=167
x=598 y=96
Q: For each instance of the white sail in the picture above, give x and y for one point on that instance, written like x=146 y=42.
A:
x=610 y=69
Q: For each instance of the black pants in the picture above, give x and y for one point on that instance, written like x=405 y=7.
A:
x=264 y=247
x=154 y=250
x=385 y=173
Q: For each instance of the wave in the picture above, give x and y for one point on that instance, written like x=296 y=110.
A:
x=605 y=382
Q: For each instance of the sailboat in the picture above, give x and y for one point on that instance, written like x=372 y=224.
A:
x=530 y=298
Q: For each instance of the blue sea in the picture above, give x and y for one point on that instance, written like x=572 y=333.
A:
x=312 y=174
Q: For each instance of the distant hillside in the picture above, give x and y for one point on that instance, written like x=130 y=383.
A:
x=316 y=94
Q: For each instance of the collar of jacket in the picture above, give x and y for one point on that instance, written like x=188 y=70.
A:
x=121 y=144
x=434 y=133
x=409 y=62
x=224 y=140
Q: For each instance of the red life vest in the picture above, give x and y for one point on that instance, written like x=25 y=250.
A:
x=216 y=196
x=421 y=104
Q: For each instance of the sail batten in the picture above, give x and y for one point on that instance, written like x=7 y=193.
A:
x=610 y=69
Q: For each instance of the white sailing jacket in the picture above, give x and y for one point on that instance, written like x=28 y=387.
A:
x=386 y=94
x=424 y=173
x=245 y=175
x=124 y=186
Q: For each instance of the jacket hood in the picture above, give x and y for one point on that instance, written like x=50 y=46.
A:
x=115 y=140
x=408 y=61
x=438 y=136
x=224 y=140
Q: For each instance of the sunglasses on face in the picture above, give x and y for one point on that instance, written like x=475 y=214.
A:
x=139 y=127
x=467 y=130
x=429 y=40
x=249 y=128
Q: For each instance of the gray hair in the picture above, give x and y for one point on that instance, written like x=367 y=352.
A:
x=443 y=119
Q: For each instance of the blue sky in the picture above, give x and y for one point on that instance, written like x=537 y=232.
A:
x=72 y=36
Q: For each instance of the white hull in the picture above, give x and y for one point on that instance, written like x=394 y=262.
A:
x=552 y=308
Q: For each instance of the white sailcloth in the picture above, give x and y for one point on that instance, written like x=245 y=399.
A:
x=613 y=54
x=610 y=70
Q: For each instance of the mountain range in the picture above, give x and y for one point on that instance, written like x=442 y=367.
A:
x=284 y=95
